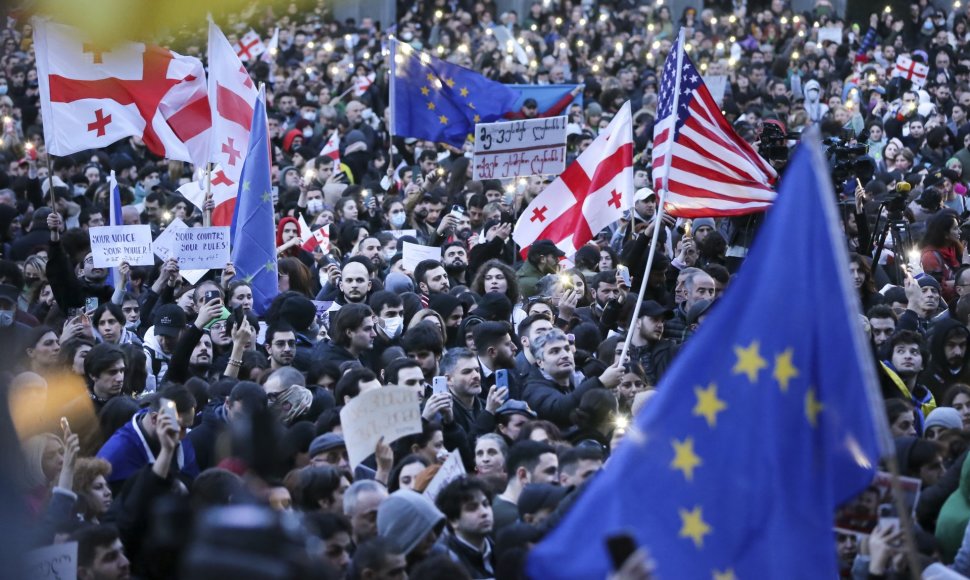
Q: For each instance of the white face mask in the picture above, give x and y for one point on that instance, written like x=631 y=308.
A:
x=6 y=318
x=314 y=206
x=389 y=254
x=393 y=325
x=398 y=219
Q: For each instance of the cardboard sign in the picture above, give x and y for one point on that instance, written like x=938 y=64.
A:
x=112 y=245
x=57 y=562
x=450 y=470
x=520 y=148
x=197 y=248
x=388 y=412
x=414 y=254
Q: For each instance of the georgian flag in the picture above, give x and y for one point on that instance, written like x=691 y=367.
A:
x=249 y=46
x=591 y=193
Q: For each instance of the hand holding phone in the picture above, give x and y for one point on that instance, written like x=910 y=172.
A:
x=439 y=385
x=620 y=546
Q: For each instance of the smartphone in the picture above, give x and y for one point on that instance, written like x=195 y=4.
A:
x=167 y=407
x=211 y=295
x=620 y=546
x=439 y=384
x=237 y=316
x=501 y=378
x=90 y=304
x=624 y=274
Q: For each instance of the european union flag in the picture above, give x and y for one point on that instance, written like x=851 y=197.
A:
x=253 y=230
x=439 y=101
x=761 y=427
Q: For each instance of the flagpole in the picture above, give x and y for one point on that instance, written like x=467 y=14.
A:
x=391 y=93
x=207 y=213
x=50 y=182
x=658 y=218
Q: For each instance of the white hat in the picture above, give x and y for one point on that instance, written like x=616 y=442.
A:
x=643 y=193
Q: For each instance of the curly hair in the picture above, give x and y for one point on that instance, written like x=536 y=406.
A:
x=86 y=470
x=511 y=280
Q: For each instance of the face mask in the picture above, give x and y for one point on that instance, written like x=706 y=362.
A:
x=314 y=206
x=398 y=219
x=132 y=326
x=310 y=116
x=308 y=132
x=6 y=318
x=393 y=325
x=3 y=89
x=389 y=254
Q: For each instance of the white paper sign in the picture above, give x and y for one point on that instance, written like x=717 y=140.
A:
x=413 y=254
x=389 y=412
x=197 y=248
x=517 y=148
x=450 y=470
x=112 y=245
x=163 y=244
x=833 y=33
x=716 y=84
x=57 y=562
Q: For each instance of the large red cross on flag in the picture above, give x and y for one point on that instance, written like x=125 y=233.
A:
x=92 y=96
x=232 y=95
x=909 y=69
x=249 y=46
x=589 y=195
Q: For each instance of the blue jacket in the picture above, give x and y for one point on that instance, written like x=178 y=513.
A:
x=127 y=451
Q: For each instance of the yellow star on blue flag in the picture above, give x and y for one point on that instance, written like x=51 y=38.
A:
x=440 y=101
x=739 y=479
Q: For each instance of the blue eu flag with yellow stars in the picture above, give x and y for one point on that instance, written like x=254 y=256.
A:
x=762 y=426
x=253 y=230
x=439 y=101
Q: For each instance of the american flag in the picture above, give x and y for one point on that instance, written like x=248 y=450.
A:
x=713 y=172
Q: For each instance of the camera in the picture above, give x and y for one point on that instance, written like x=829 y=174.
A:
x=773 y=146
x=848 y=161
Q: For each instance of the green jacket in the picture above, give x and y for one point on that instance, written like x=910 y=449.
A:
x=952 y=523
x=529 y=277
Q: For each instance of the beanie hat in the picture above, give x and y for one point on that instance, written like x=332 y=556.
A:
x=701 y=222
x=927 y=280
x=946 y=417
x=495 y=306
x=539 y=496
x=299 y=312
x=405 y=518
x=398 y=283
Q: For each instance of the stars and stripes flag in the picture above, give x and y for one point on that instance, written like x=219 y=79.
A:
x=712 y=171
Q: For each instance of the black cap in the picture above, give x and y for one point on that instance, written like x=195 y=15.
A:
x=9 y=293
x=545 y=248
x=654 y=309
x=530 y=102
x=169 y=320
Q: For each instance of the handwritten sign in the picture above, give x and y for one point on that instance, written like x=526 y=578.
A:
x=517 y=148
x=450 y=470
x=413 y=254
x=163 y=248
x=389 y=412
x=57 y=562
x=197 y=248
x=112 y=245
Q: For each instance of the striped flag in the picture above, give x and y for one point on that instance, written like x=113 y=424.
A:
x=713 y=172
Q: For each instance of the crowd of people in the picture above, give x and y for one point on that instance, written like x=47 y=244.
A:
x=171 y=430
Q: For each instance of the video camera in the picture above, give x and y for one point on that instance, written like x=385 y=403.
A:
x=773 y=146
x=848 y=161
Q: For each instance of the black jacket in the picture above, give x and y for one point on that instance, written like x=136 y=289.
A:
x=69 y=290
x=554 y=402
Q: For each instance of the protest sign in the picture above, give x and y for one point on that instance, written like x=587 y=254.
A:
x=832 y=33
x=450 y=470
x=195 y=248
x=55 y=562
x=413 y=254
x=112 y=245
x=388 y=412
x=516 y=148
x=162 y=246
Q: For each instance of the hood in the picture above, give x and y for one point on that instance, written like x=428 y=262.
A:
x=810 y=86
x=281 y=225
x=406 y=517
x=942 y=331
x=289 y=137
